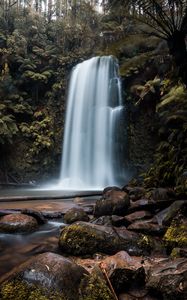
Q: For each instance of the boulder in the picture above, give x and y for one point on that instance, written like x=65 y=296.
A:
x=114 y=203
x=169 y=278
x=75 y=214
x=17 y=223
x=83 y=238
x=123 y=270
x=47 y=274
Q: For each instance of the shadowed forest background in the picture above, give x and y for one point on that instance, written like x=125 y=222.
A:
x=40 y=43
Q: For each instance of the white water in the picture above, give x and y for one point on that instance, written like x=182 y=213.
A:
x=90 y=158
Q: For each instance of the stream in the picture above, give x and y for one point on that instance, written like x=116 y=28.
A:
x=17 y=248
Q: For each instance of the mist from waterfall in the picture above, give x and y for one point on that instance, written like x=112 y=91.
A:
x=91 y=156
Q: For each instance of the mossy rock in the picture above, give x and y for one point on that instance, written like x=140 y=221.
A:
x=83 y=238
x=21 y=290
x=94 y=287
x=75 y=214
x=176 y=235
x=46 y=276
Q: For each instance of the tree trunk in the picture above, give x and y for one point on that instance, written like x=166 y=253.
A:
x=177 y=48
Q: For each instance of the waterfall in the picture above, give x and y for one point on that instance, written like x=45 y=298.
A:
x=91 y=150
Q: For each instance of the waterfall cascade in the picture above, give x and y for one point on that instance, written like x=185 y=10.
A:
x=91 y=151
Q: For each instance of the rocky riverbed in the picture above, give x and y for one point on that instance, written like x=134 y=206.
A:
x=129 y=244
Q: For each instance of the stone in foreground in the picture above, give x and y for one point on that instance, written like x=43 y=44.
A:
x=75 y=214
x=124 y=270
x=46 y=275
x=83 y=238
x=114 y=203
x=169 y=278
x=17 y=223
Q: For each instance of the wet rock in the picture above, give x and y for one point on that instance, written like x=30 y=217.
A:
x=83 y=238
x=146 y=226
x=169 y=278
x=47 y=274
x=162 y=194
x=75 y=214
x=17 y=223
x=114 y=203
x=136 y=193
x=35 y=214
x=138 y=215
x=123 y=270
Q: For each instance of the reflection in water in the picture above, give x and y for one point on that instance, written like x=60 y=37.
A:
x=17 y=248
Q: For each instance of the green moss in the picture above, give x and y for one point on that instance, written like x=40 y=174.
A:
x=132 y=65
x=176 y=235
x=20 y=290
x=175 y=253
x=176 y=95
x=145 y=243
x=94 y=288
x=80 y=239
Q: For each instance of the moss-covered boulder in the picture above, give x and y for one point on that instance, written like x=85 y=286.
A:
x=176 y=234
x=113 y=203
x=17 y=223
x=83 y=238
x=46 y=276
x=75 y=214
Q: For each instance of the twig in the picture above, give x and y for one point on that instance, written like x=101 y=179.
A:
x=108 y=280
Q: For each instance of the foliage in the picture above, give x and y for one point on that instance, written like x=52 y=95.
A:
x=37 y=51
x=170 y=156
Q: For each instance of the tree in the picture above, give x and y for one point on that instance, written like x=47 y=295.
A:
x=168 y=20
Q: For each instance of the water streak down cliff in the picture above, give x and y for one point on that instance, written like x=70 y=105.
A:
x=91 y=157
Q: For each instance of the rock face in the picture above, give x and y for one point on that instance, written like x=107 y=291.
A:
x=84 y=238
x=169 y=278
x=75 y=214
x=17 y=223
x=113 y=203
x=49 y=274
